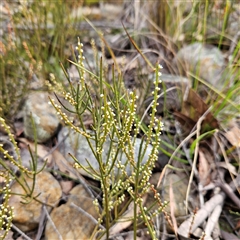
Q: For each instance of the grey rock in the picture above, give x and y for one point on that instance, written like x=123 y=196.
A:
x=205 y=61
x=77 y=145
x=43 y=114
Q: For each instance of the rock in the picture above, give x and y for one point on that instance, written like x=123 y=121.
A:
x=179 y=189
x=175 y=87
x=27 y=216
x=204 y=61
x=77 y=145
x=43 y=114
x=69 y=221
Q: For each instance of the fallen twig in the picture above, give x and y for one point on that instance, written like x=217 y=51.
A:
x=206 y=210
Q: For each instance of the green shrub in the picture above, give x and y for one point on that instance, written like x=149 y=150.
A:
x=114 y=117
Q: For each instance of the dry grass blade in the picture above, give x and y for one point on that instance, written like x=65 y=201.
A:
x=137 y=48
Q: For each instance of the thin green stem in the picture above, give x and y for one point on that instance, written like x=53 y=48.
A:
x=205 y=19
x=225 y=21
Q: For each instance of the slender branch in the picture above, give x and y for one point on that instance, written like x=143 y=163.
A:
x=20 y=232
x=53 y=225
x=88 y=215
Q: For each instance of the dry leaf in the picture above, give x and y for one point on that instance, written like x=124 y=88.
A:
x=203 y=169
x=42 y=150
x=237 y=225
x=172 y=208
x=63 y=165
x=186 y=122
x=233 y=136
x=193 y=108
x=227 y=166
x=66 y=186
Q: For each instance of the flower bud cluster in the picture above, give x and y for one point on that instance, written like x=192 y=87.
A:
x=6 y=212
x=80 y=60
x=6 y=155
x=65 y=118
x=124 y=138
x=96 y=205
x=108 y=118
x=153 y=135
x=54 y=85
x=94 y=48
x=154 y=121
